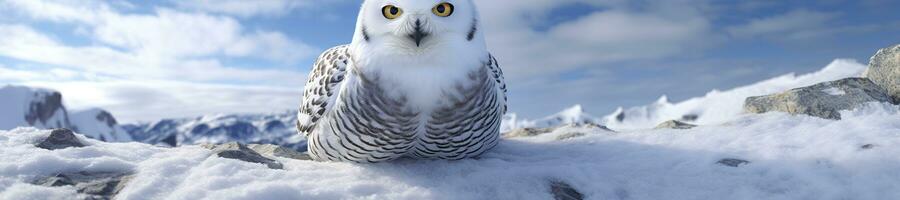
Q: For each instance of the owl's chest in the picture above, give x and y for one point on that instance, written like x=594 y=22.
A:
x=411 y=104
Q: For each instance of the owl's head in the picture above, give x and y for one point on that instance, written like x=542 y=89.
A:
x=418 y=24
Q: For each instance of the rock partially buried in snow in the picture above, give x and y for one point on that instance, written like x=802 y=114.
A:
x=92 y=184
x=564 y=191
x=60 y=139
x=867 y=146
x=527 y=132
x=278 y=151
x=675 y=124
x=240 y=152
x=824 y=100
x=732 y=162
x=884 y=70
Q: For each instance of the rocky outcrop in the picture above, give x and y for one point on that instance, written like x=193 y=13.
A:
x=94 y=185
x=241 y=152
x=278 y=151
x=884 y=71
x=529 y=132
x=44 y=107
x=60 y=139
x=823 y=100
x=675 y=124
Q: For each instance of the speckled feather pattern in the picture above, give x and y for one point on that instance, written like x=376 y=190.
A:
x=348 y=116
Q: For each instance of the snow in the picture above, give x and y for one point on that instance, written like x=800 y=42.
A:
x=723 y=106
x=791 y=157
x=834 y=91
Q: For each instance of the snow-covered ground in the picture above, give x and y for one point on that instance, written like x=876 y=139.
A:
x=792 y=157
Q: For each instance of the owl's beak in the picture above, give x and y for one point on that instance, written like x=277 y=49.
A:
x=418 y=35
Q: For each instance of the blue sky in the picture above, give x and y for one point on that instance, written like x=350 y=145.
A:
x=145 y=60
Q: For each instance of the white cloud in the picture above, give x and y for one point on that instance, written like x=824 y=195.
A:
x=245 y=8
x=618 y=32
x=795 y=24
x=145 y=100
x=167 y=33
x=146 y=66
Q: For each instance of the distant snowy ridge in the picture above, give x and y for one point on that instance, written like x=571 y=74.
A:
x=42 y=108
x=573 y=115
x=719 y=107
x=714 y=108
x=276 y=128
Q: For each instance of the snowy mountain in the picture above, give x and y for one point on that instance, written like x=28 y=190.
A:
x=275 y=128
x=715 y=107
x=573 y=115
x=724 y=106
x=42 y=108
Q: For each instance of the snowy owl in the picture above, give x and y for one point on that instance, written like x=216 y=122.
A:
x=416 y=81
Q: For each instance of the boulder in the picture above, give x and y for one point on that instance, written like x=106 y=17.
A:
x=278 y=151
x=884 y=71
x=241 y=152
x=95 y=185
x=60 y=139
x=564 y=191
x=823 y=100
x=675 y=124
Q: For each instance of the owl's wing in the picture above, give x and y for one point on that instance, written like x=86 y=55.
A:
x=497 y=74
x=321 y=87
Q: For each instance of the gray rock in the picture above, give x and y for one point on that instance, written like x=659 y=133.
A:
x=690 y=117
x=823 y=100
x=60 y=139
x=867 y=146
x=278 y=151
x=732 y=162
x=675 y=124
x=95 y=185
x=240 y=152
x=44 y=108
x=570 y=135
x=564 y=191
x=527 y=132
x=884 y=70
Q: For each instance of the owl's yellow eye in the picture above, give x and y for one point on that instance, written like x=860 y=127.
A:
x=443 y=10
x=391 y=12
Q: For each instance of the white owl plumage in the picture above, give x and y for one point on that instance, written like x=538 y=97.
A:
x=416 y=81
